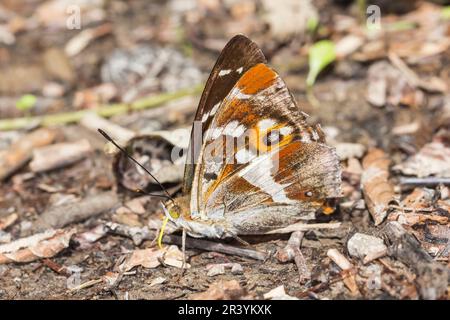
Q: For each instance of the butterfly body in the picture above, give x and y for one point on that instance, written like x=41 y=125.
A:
x=256 y=165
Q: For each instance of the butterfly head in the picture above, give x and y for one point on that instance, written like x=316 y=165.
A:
x=176 y=208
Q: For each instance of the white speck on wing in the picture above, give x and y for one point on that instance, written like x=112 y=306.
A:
x=224 y=72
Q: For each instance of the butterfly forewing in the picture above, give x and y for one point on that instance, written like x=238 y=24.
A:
x=238 y=56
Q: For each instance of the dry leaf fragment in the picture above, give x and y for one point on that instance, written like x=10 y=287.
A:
x=219 y=268
x=432 y=159
x=222 y=290
x=8 y=221
x=147 y=258
x=20 y=152
x=75 y=45
x=42 y=245
x=157 y=281
x=150 y=258
x=87 y=238
x=378 y=191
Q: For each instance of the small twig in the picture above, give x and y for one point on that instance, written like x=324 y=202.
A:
x=103 y=111
x=305 y=227
x=408 y=209
x=55 y=267
x=140 y=234
x=85 y=285
x=423 y=182
x=207 y=245
x=347 y=267
x=292 y=252
x=92 y=121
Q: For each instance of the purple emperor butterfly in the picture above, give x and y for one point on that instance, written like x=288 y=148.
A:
x=255 y=164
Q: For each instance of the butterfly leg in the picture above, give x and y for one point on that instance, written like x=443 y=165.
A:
x=183 y=249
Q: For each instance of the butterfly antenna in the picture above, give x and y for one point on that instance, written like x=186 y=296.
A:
x=167 y=196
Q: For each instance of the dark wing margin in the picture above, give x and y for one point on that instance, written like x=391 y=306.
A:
x=239 y=55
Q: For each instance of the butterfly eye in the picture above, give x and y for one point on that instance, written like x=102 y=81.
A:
x=272 y=137
x=175 y=212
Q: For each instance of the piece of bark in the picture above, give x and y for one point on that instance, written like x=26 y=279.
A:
x=63 y=215
x=378 y=191
x=432 y=277
x=292 y=252
x=347 y=267
x=43 y=245
x=20 y=152
x=59 y=155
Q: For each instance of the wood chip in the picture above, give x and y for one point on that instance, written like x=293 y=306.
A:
x=62 y=215
x=20 y=152
x=59 y=155
x=343 y=263
x=378 y=191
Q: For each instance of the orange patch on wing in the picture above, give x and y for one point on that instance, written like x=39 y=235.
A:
x=257 y=137
x=234 y=109
x=256 y=79
x=226 y=171
x=327 y=210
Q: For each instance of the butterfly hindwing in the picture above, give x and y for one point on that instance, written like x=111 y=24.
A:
x=259 y=152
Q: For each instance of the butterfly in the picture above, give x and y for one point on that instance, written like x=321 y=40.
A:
x=253 y=164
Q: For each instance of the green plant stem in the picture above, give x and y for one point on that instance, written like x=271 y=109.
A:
x=103 y=111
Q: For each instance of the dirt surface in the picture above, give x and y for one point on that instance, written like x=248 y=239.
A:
x=190 y=35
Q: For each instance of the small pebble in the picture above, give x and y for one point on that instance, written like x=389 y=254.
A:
x=360 y=245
